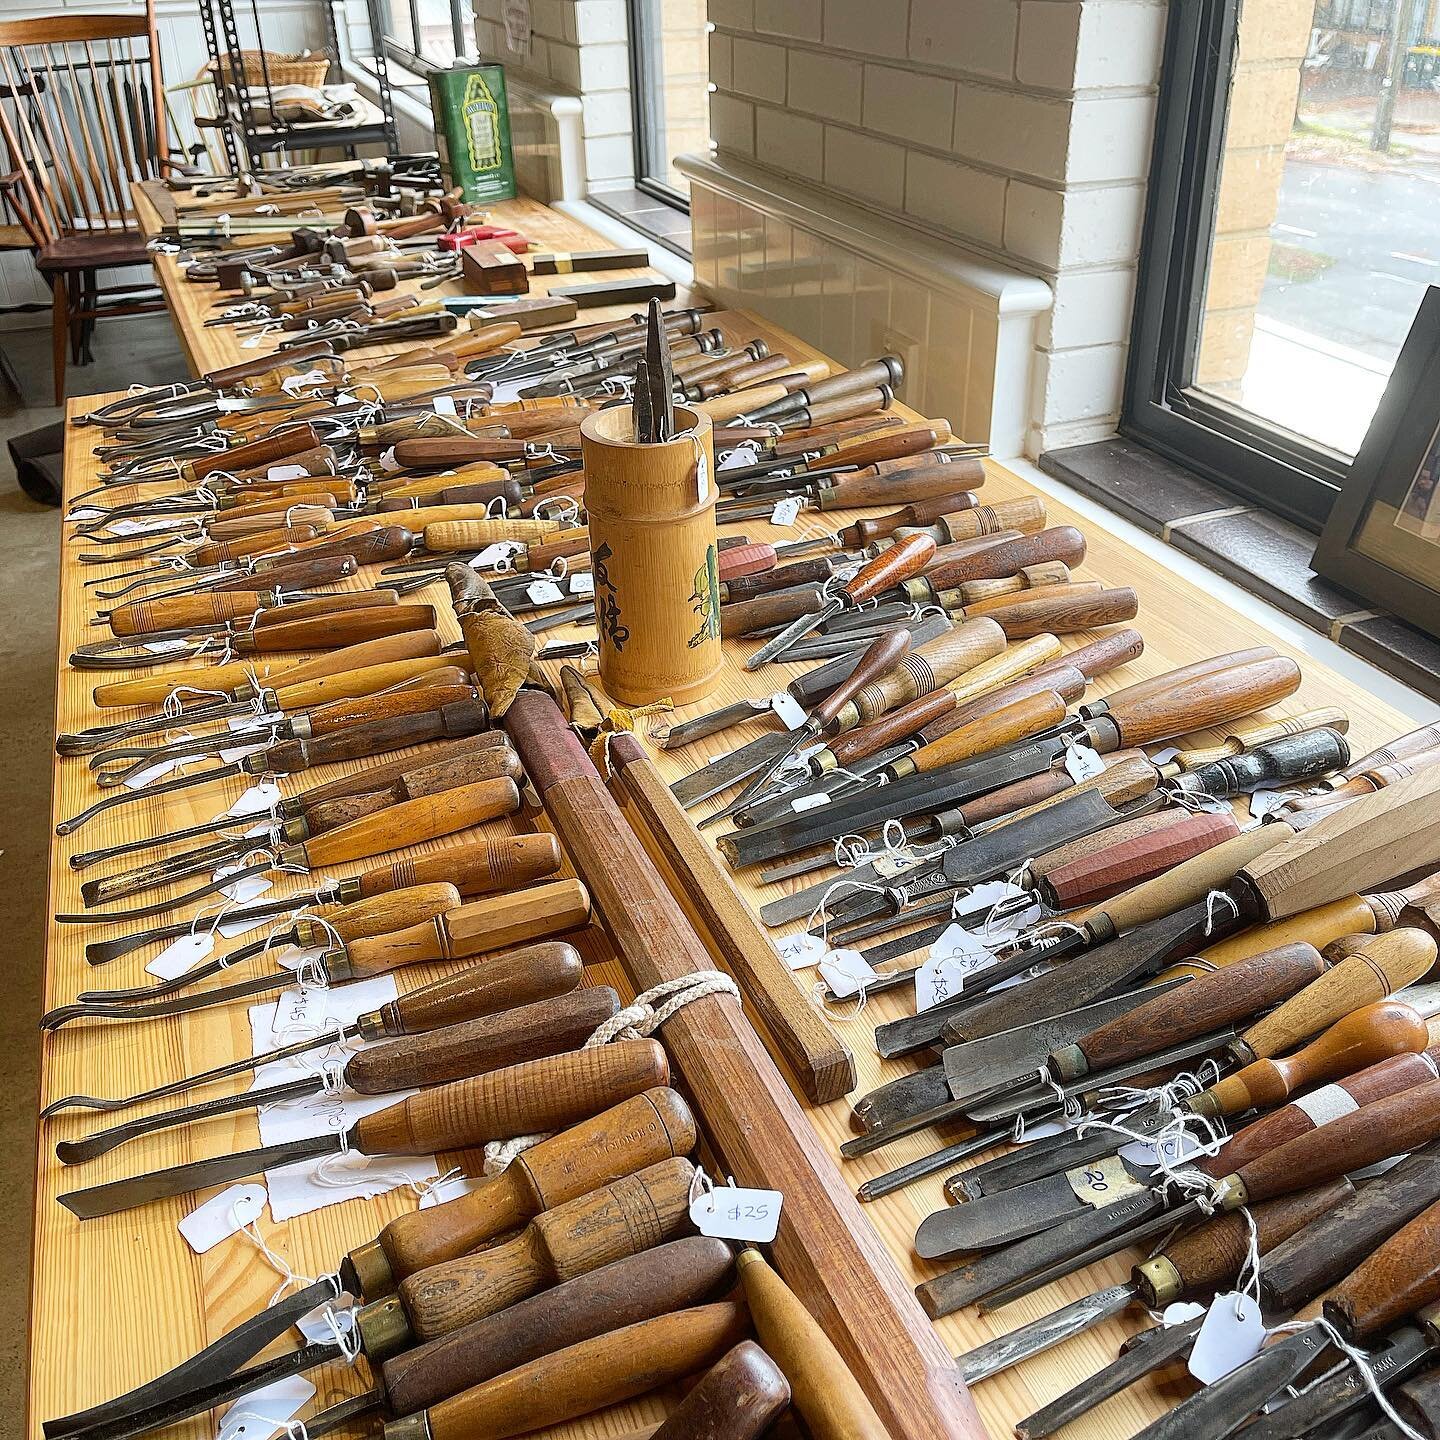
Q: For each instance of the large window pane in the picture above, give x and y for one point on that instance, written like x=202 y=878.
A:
x=1325 y=231
x=671 y=97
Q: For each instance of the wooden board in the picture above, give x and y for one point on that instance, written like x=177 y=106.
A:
x=119 y=1299
x=220 y=345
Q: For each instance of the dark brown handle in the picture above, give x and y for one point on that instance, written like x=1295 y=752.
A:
x=1099 y=657
x=932 y=481
x=489 y=1042
x=380 y=777
x=846 y=407
x=766 y=611
x=890 y=729
x=331 y=632
x=814 y=571
x=290 y=756
x=478 y=866
x=1401 y=1277
x=736 y=1399
x=324 y=605
x=906 y=558
x=308 y=574
x=892 y=445
x=919 y=512
x=885 y=371
x=1203 y=700
x=1067 y=609
x=254 y=453
x=1061 y=542
x=389 y=542
x=388 y=705
x=882 y=654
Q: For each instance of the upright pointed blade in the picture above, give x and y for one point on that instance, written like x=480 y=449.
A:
x=661 y=374
x=1043 y=1334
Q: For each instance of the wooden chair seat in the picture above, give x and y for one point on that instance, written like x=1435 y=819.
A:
x=91 y=250
x=13 y=237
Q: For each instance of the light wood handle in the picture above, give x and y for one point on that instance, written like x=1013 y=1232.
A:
x=330 y=632
x=478 y=866
x=378 y=915
x=350 y=684
x=1319 y=927
x=1014 y=722
x=1015 y=661
x=930 y=667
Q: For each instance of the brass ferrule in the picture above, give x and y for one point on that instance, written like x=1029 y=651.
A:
x=822 y=761
x=295 y=830
x=366 y=1271
x=902 y=767
x=917 y=592
x=294 y=855
x=1204 y=1104
x=384 y=1328
x=1069 y=1063
x=1160 y=1280
x=372 y=1026
x=337 y=965
x=1230 y=1193
x=348 y=890
x=408 y=1427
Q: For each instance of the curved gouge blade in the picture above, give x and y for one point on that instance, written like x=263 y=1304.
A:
x=148 y=792
x=221 y=1357
x=1155 y=1348
x=178 y=1005
x=159 y=907
x=720 y=774
x=1043 y=1334
x=180 y=982
x=701 y=727
x=198 y=1175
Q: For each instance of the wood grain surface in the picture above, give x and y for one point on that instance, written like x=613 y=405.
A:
x=161 y=1302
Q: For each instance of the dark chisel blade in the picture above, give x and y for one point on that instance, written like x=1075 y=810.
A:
x=701 y=727
x=727 y=770
x=1043 y=1334
x=986 y=1224
x=198 y=1175
x=903 y=1101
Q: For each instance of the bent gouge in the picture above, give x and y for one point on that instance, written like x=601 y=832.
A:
x=824 y=1392
x=736 y=1399
x=1196 y=1263
x=633 y=1213
x=503 y=982
x=582 y=1378
x=538 y=1095
x=451 y=1052
x=473 y=929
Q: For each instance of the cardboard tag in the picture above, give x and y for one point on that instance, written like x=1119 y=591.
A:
x=544 y=592
x=887 y=867
x=582 y=584
x=1104 y=1182
x=961 y=948
x=495 y=554
x=315 y=1325
x=845 y=972
x=981 y=898
x=800 y=951
x=264 y=1413
x=786 y=511
x=1082 y=763
x=1231 y=1333
x=789 y=709
x=221 y=1216
x=257 y=800
x=286 y=472
x=937 y=981
x=732 y=1212
x=182 y=954
x=810 y=802
x=702 y=477
x=739 y=457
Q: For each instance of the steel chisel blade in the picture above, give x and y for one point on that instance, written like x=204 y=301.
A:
x=727 y=770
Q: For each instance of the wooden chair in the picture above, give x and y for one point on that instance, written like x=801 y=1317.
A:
x=82 y=115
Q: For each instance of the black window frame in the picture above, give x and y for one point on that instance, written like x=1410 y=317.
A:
x=409 y=59
x=1257 y=460
x=646 y=98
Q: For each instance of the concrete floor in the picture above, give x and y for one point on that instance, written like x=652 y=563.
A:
x=137 y=351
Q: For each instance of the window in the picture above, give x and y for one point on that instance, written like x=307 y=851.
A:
x=426 y=33
x=669 y=89
x=1290 y=238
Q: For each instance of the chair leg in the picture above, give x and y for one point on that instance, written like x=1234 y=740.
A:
x=87 y=327
x=59 y=335
x=77 y=323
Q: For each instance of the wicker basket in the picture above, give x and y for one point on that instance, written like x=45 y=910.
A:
x=285 y=69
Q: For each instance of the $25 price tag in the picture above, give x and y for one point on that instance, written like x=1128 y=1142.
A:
x=731 y=1212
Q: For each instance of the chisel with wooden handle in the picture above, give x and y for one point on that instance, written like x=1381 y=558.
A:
x=538 y=1095
x=174 y=614
x=738 y=1398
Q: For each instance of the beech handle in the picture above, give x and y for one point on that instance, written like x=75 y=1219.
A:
x=414 y=821
x=1067 y=683
x=526 y=1099
x=415 y=698
x=477 y=867
x=1205 y=1003
x=976 y=691
x=350 y=684
x=1387 y=964
x=1399 y=1278
x=1355 y=1041
x=898 y=563
x=377 y=915
x=881 y=656
x=1008 y=725
x=329 y=632
x=1068 y=609
x=470 y=717
x=410 y=645
x=482 y=1044
x=218 y=552
x=930 y=667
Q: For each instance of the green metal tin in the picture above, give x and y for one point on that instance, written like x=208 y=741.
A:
x=472 y=131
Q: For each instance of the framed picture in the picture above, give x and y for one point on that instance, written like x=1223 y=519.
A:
x=1382 y=539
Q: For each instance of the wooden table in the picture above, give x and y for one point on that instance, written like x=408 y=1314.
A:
x=120 y=1299
x=220 y=345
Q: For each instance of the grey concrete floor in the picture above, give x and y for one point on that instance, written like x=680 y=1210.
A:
x=136 y=351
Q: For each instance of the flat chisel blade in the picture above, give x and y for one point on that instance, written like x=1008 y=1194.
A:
x=726 y=770
x=1043 y=1334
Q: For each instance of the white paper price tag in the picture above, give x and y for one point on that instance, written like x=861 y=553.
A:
x=388 y=460
x=702 y=477
x=1104 y=1182
x=182 y=955
x=145 y=527
x=786 y=511
x=1172 y=1150
x=345 y=398
x=739 y=457
x=292 y=957
x=229 y=929
x=1082 y=763
x=257 y=800
x=1266 y=802
x=165 y=647
x=241 y=723
x=582 y=584
x=1231 y=1333
x=937 y=981
x=985 y=897
x=1160 y=757
x=800 y=951
x=85 y=513
x=317 y=1325
x=731 y=1212
x=544 y=592
x=810 y=802
x=846 y=972
x=222 y=1215
x=506 y=392
x=264 y=1413
x=497 y=554
x=789 y=709
x=1180 y=1311
x=961 y=948
x=142 y=778
x=242 y=891
x=445 y=405
x=286 y=472
x=451 y=1189
x=887 y=867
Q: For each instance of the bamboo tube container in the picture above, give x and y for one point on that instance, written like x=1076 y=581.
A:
x=651 y=514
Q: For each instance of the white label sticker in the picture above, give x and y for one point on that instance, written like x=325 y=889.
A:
x=732 y=1212
x=444 y=1191
x=264 y=1413
x=937 y=981
x=1104 y=1182
x=444 y=405
x=286 y=472
x=165 y=647
x=789 y=709
x=887 y=867
x=222 y=1215
x=257 y=800
x=582 y=584
x=739 y=457
x=388 y=460
x=800 y=951
x=182 y=955
x=845 y=972
x=786 y=511
x=1330 y=1102
x=1082 y=763
x=1231 y=1333
x=1180 y=1312
x=1172 y=1150
x=810 y=802
x=544 y=592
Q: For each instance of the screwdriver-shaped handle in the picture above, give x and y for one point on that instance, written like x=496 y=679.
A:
x=467 y=718
x=1399 y=1278
x=1206 y=1003
x=894 y=489
x=329 y=632
x=636 y=1212
x=393 y=910
x=881 y=656
x=906 y=558
x=1060 y=542
x=639 y=1132
x=482 y=1044
x=1287 y=761
x=1007 y=726
x=477 y=867
x=1203 y=700
x=1388 y=963
x=1354 y=1042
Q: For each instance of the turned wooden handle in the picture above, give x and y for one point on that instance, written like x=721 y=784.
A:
x=766 y=611
x=1401 y=1277
x=1207 y=1002
x=1013 y=722
x=1064 y=611
x=634 y=1213
x=814 y=571
x=378 y=915
x=990 y=675
x=902 y=560
x=1402 y=748
x=1099 y=657
x=329 y=632
x=638 y=1132
x=900 y=724
x=895 y=444
x=410 y=645
x=1391 y=1126
x=538 y=1095
x=472 y=929
x=1082 y=873
x=254 y=453
x=388 y=542
x=494 y=762
x=414 y=821
x=881 y=655
x=482 y=1044
x=1062 y=542
x=477 y=867
x=465 y=719
x=624 y=1292
x=173 y=612
x=932 y=665
x=736 y=1399
x=1320 y=927
x=1389 y=963
x=933 y=481
x=293 y=696
x=413 y=699
x=591 y=1375
x=825 y=1393
x=540 y=554
x=218 y=552
x=918 y=512
x=1067 y=682
x=323 y=605
x=1014 y=592
x=1355 y=1041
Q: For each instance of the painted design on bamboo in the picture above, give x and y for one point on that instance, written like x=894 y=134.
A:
x=705 y=599
x=607 y=603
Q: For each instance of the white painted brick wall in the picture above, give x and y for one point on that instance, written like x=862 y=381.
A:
x=789 y=142
x=827 y=85
x=975 y=37
x=909 y=106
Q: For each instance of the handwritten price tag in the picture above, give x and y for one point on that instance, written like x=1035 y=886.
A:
x=786 y=511
x=845 y=972
x=582 y=584
x=937 y=981
x=1082 y=763
x=800 y=951
x=731 y=1212
x=544 y=592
